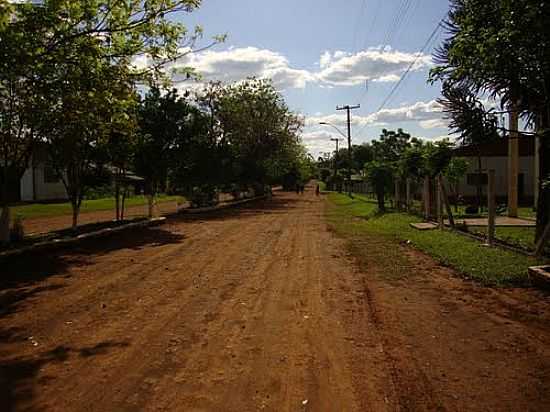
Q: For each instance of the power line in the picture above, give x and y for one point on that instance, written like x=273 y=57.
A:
x=404 y=75
x=372 y=22
x=431 y=38
x=359 y=18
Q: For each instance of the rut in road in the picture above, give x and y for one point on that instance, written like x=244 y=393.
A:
x=260 y=308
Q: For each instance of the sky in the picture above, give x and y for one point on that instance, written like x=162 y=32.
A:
x=322 y=53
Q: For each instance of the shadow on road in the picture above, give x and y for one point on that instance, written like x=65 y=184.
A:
x=18 y=376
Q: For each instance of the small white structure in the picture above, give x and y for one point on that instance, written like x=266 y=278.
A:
x=494 y=156
x=40 y=181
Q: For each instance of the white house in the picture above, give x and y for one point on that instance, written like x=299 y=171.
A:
x=494 y=156
x=40 y=182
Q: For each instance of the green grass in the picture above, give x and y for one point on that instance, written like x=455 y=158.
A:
x=358 y=219
x=59 y=209
x=524 y=237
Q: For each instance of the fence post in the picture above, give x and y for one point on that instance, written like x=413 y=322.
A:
x=397 y=194
x=426 y=196
x=408 y=194
x=439 y=204
x=491 y=205
x=446 y=202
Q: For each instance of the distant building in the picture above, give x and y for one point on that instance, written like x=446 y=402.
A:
x=40 y=182
x=494 y=156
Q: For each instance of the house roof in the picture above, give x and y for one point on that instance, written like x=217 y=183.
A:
x=498 y=148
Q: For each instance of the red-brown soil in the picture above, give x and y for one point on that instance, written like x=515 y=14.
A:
x=261 y=308
x=52 y=223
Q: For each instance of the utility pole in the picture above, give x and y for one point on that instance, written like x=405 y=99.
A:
x=336 y=157
x=348 y=109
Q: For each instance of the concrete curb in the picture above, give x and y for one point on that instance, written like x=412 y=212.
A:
x=72 y=240
x=219 y=207
x=540 y=276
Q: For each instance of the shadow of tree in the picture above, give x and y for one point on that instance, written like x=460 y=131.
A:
x=20 y=274
x=18 y=376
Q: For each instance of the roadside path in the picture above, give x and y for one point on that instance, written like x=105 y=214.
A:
x=261 y=308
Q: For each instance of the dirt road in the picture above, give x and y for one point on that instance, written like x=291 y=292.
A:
x=261 y=308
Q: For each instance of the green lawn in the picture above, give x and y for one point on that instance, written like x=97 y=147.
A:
x=358 y=219
x=523 y=237
x=59 y=209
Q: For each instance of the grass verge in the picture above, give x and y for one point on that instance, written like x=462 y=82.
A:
x=357 y=220
x=36 y=210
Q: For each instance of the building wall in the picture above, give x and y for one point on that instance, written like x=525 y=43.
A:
x=500 y=165
x=45 y=190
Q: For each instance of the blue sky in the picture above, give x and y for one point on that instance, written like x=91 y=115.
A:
x=321 y=53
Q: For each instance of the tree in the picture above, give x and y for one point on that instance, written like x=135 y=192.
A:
x=74 y=55
x=255 y=122
x=471 y=121
x=17 y=134
x=500 y=48
x=163 y=122
x=454 y=172
x=380 y=175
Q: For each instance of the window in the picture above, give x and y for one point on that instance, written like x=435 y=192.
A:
x=474 y=179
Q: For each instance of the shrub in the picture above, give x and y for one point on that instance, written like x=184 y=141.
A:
x=203 y=196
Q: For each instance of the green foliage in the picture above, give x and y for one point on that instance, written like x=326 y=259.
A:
x=456 y=169
x=499 y=48
x=380 y=175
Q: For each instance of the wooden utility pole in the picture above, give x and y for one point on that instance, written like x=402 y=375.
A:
x=336 y=158
x=513 y=162
x=348 y=109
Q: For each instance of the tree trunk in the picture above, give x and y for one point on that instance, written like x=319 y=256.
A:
x=124 y=193
x=380 y=198
x=150 y=203
x=5 y=214
x=117 y=197
x=76 y=210
x=543 y=207
x=479 y=184
x=5 y=224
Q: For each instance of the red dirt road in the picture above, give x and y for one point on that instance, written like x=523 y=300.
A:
x=261 y=308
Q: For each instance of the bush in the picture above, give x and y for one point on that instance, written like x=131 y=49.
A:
x=471 y=210
x=203 y=196
x=99 y=192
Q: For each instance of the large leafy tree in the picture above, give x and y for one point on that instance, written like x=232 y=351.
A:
x=255 y=122
x=167 y=124
x=17 y=101
x=501 y=48
x=73 y=56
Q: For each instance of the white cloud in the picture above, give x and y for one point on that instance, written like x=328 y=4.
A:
x=335 y=68
x=236 y=64
x=318 y=142
x=424 y=112
x=428 y=114
x=375 y=64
